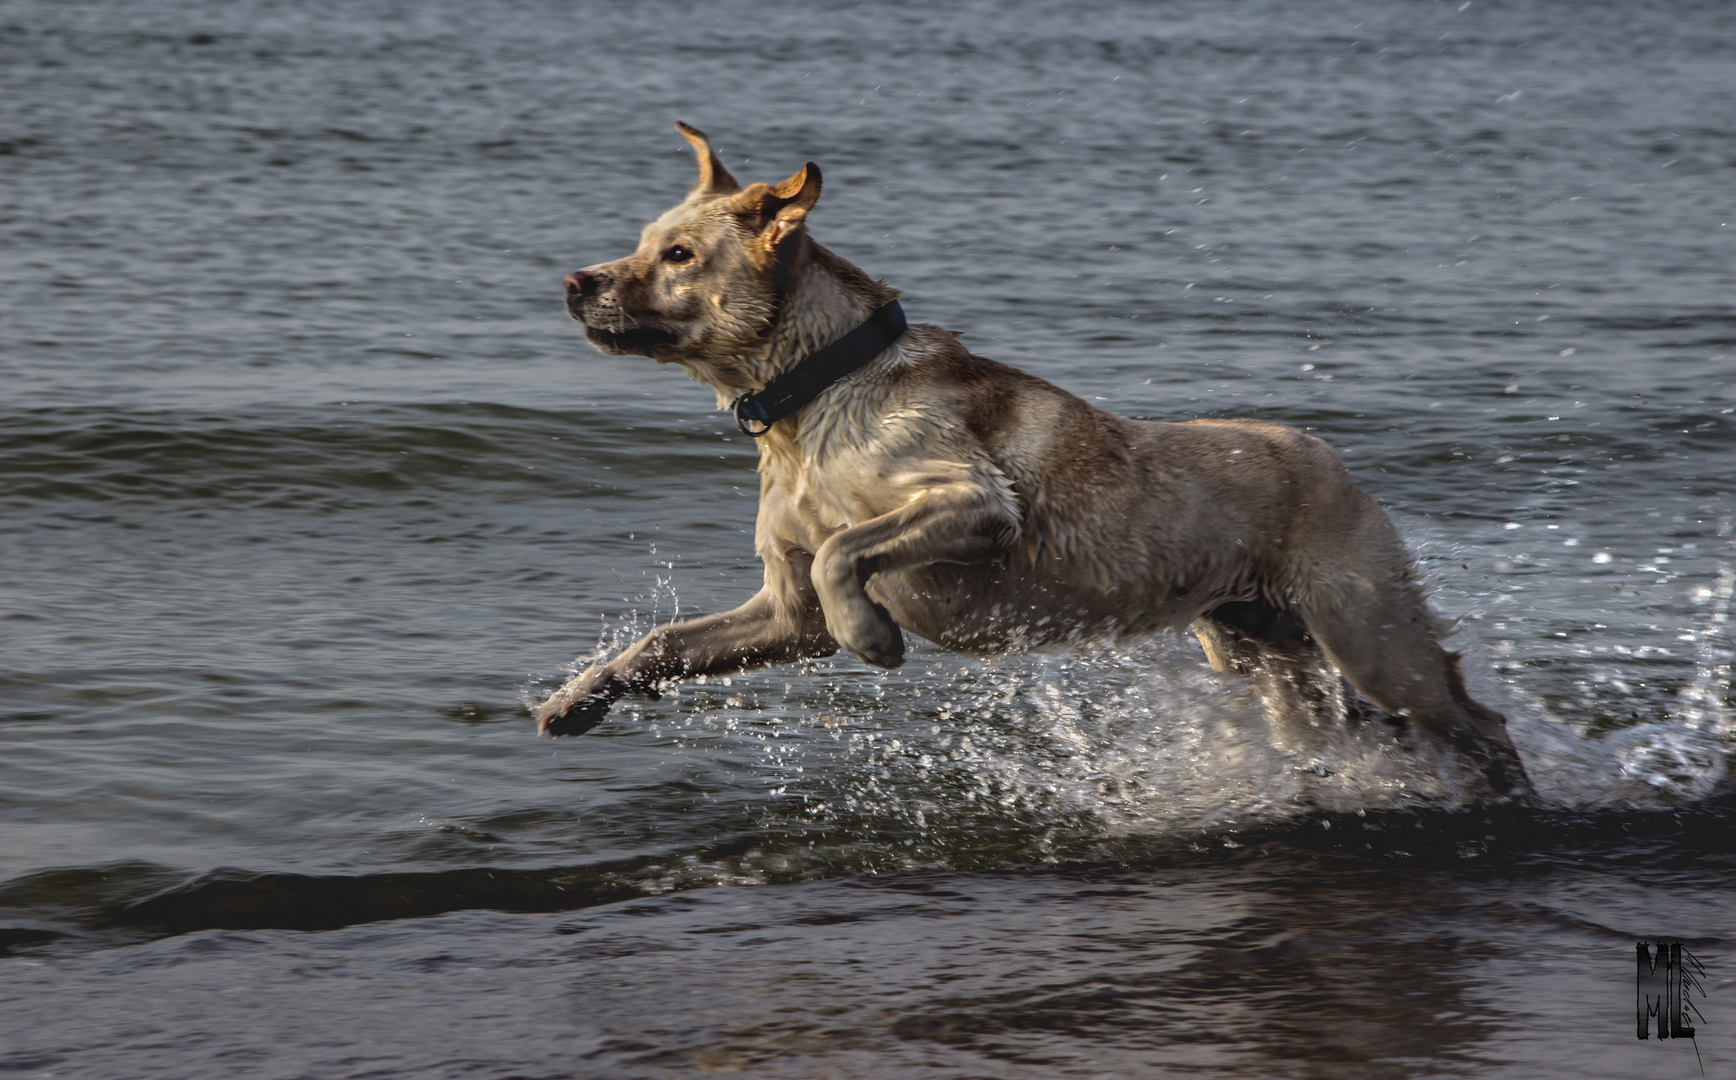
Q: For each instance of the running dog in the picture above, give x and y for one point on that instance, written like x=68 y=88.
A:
x=907 y=484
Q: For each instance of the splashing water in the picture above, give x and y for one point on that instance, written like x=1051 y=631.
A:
x=1061 y=754
x=1684 y=756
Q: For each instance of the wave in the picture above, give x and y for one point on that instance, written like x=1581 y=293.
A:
x=247 y=457
x=124 y=902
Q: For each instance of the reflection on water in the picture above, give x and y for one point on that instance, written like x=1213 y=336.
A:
x=1365 y=949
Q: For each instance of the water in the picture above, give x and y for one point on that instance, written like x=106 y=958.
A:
x=309 y=487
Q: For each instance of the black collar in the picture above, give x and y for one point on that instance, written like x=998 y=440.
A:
x=804 y=382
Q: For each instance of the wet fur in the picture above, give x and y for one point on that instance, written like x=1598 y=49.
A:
x=986 y=509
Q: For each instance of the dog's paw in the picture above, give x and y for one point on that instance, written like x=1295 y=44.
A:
x=883 y=658
x=578 y=706
x=872 y=637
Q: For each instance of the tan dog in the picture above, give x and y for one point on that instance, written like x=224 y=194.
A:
x=986 y=510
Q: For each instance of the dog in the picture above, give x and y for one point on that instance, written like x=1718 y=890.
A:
x=908 y=484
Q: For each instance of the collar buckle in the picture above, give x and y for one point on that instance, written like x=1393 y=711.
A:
x=748 y=411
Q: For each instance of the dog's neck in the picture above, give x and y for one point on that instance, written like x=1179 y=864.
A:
x=824 y=298
x=827 y=297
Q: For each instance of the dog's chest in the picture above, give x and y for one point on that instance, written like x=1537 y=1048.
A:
x=807 y=502
x=811 y=490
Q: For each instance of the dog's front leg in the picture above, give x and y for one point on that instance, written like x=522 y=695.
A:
x=782 y=623
x=942 y=525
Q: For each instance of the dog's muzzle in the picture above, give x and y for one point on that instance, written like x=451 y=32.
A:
x=589 y=301
x=582 y=287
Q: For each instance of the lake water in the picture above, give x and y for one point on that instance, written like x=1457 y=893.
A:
x=308 y=488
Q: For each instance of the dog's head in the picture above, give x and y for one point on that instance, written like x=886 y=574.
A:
x=707 y=280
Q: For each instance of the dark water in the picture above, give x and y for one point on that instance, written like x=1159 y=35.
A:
x=307 y=487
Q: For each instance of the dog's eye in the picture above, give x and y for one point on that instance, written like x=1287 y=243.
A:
x=678 y=254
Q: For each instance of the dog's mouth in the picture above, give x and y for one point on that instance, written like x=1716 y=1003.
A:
x=635 y=340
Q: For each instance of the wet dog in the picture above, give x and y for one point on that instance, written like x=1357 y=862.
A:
x=907 y=484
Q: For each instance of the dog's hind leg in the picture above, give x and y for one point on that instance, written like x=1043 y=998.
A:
x=1303 y=695
x=1361 y=602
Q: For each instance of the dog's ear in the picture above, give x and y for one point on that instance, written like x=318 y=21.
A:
x=714 y=179
x=777 y=211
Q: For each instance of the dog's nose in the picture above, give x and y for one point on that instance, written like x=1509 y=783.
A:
x=581 y=283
